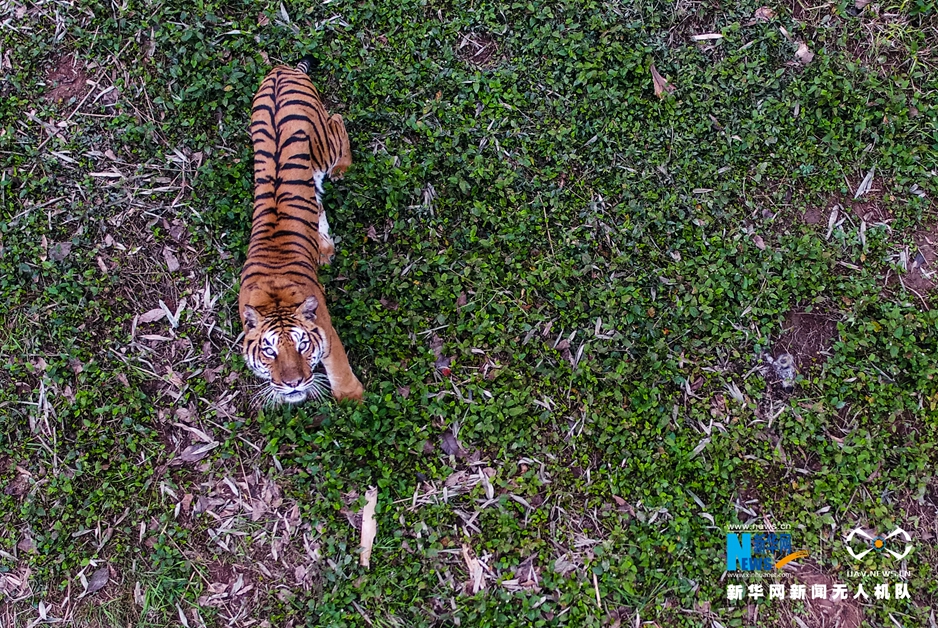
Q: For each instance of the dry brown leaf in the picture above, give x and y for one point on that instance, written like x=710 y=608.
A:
x=172 y=263
x=97 y=580
x=354 y=518
x=152 y=316
x=60 y=250
x=804 y=54
x=443 y=365
x=294 y=517
x=369 y=525
x=184 y=414
x=458 y=478
x=194 y=453
x=764 y=14
x=759 y=242
x=258 y=508
x=26 y=544
x=178 y=230
x=450 y=445
x=475 y=570
x=662 y=87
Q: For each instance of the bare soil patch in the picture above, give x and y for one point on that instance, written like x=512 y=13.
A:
x=822 y=612
x=66 y=79
x=923 y=270
x=18 y=487
x=921 y=276
x=807 y=336
x=478 y=48
x=872 y=211
x=804 y=11
x=813 y=216
x=872 y=207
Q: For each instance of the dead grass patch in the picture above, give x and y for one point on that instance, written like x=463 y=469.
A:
x=878 y=37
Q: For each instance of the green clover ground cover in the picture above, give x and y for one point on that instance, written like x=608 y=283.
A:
x=605 y=270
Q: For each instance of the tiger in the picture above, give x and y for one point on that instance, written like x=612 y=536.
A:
x=287 y=328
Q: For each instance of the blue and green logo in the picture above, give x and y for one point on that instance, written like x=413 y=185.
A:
x=759 y=552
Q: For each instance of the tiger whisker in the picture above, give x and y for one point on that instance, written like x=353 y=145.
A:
x=268 y=397
x=317 y=389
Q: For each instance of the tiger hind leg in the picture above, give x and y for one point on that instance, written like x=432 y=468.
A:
x=344 y=159
x=326 y=244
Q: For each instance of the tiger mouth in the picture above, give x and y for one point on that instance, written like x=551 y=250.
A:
x=296 y=396
x=316 y=389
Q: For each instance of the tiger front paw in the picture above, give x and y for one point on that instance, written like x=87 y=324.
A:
x=353 y=392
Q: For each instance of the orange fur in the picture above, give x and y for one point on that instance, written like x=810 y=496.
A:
x=282 y=303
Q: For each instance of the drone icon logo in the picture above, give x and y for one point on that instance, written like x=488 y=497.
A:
x=878 y=543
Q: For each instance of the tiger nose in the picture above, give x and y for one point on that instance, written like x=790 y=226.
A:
x=293 y=383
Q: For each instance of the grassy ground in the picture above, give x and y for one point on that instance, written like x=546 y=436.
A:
x=558 y=288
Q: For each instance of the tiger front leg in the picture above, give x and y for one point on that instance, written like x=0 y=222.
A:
x=342 y=380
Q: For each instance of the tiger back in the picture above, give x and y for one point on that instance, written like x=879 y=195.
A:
x=282 y=303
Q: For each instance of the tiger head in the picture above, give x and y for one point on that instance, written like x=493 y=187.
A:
x=283 y=347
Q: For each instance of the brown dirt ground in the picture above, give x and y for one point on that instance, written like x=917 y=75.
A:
x=813 y=216
x=823 y=613
x=924 y=259
x=478 y=48
x=871 y=207
x=803 y=11
x=66 y=79
x=807 y=337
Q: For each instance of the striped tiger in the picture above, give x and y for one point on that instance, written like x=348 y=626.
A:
x=287 y=329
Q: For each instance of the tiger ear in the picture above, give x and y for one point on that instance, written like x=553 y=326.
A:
x=251 y=317
x=308 y=309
